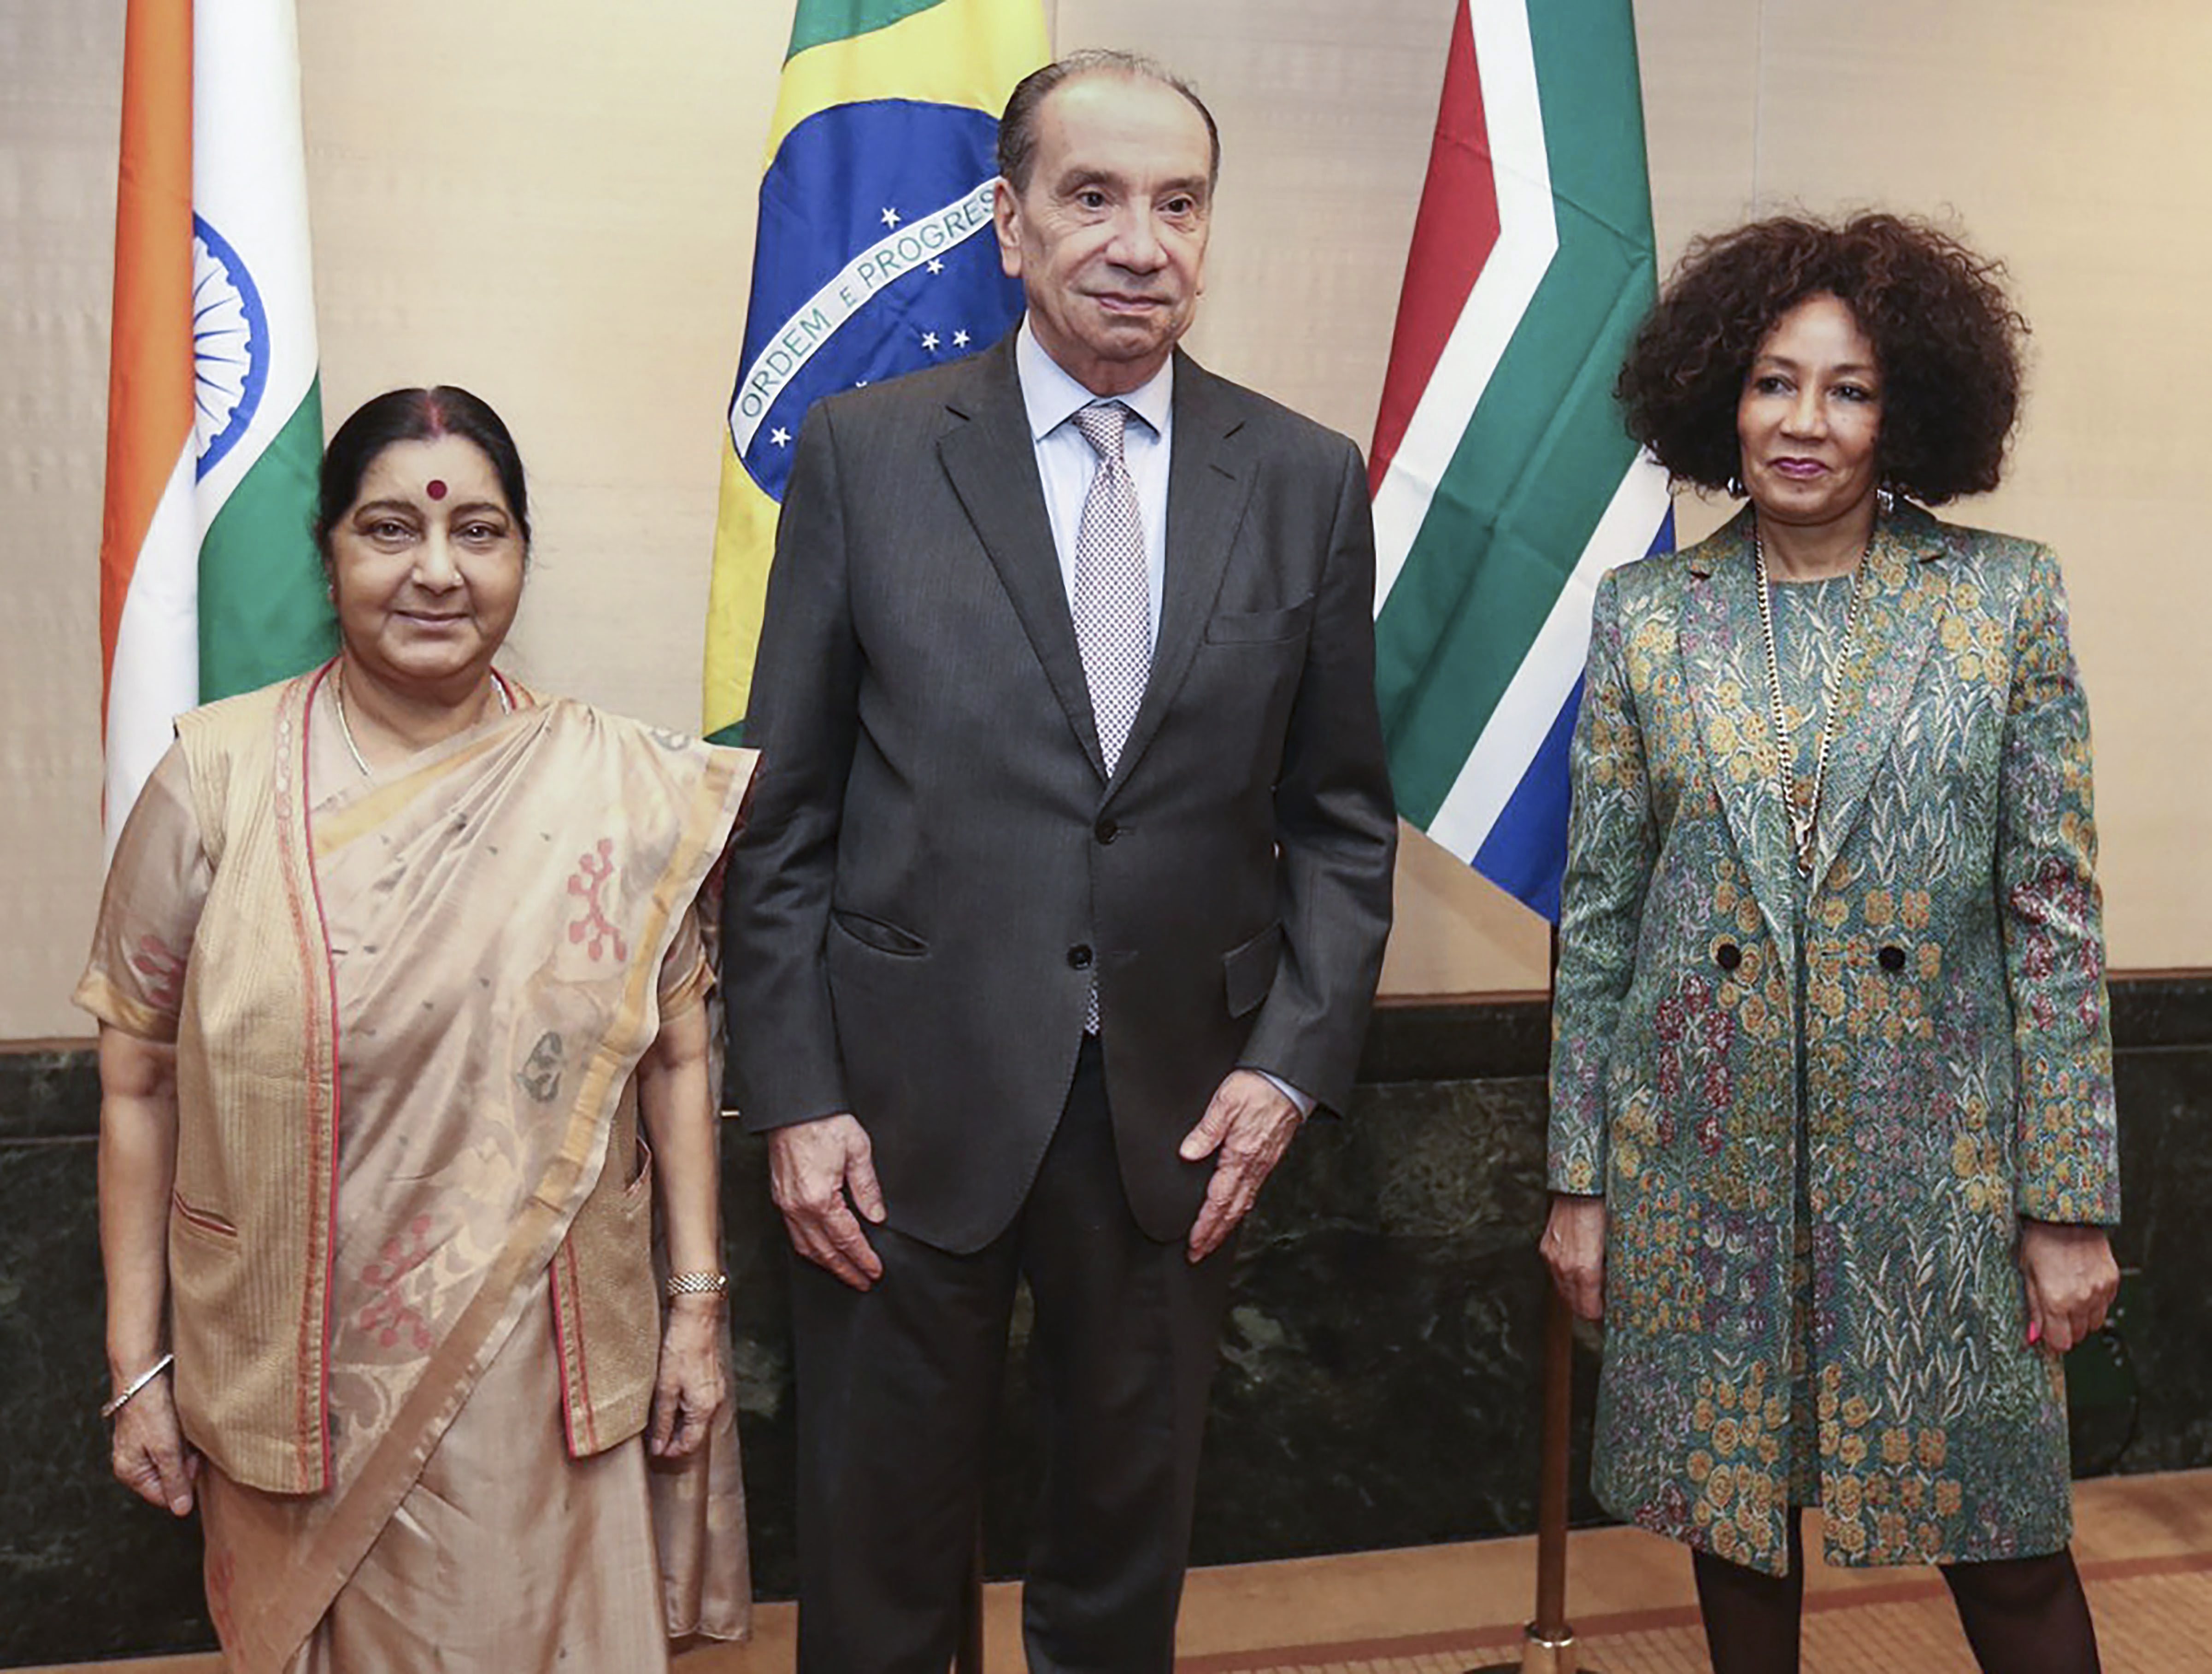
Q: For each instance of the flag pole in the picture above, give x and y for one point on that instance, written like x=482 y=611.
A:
x=1548 y=1644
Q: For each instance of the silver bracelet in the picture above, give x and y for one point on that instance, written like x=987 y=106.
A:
x=697 y=1284
x=111 y=1407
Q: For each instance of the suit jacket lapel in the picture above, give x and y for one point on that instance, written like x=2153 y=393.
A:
x=1896 y=626
x=992 y=461
x=1725 y=662
x=1209 y=479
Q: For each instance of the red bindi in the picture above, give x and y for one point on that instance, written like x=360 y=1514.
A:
x=435 y=487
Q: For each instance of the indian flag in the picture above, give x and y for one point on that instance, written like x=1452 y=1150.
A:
x=209 y=583
x=1504 y=484
x=874 y=255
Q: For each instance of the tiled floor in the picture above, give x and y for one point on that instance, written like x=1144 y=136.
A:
x=2144 y=1542
x=2160 y=1620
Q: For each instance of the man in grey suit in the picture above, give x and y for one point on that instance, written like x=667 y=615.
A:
x=1061 y=896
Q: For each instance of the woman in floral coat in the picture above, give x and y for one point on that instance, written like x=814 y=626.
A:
x=1833 y=1142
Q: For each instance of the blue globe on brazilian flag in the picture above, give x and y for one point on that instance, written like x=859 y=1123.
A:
x=873 y=257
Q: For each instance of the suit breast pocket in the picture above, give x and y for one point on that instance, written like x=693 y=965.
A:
x=1260 y=628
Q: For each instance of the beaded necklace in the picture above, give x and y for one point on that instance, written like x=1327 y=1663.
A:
x=1803 y=814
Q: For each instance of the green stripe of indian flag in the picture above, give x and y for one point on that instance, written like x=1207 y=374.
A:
x=1543 y=456
x=264 y=613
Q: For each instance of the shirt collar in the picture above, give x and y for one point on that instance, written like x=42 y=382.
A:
x=1050 y=396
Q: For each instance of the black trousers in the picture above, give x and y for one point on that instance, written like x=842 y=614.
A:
x=896 y=1388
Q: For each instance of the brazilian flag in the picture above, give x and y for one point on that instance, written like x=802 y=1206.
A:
x=874 y=255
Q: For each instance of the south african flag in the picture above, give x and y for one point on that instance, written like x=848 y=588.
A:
x=1504 y=482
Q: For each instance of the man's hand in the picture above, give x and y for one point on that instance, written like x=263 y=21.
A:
x=1573 y=1246
x=2071 y=1280
x=1246 y=1129
x=813 y=1169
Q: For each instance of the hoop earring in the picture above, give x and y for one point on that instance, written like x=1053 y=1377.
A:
x=1885 y=499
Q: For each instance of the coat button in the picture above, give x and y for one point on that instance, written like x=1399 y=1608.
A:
x=1079 y=957
x=1105 y=831
x=1892 y=958
x=1728 y=955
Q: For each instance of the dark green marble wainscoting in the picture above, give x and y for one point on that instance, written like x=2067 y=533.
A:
x=1377 y=1387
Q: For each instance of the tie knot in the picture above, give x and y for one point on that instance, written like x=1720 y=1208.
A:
x=1102 y=425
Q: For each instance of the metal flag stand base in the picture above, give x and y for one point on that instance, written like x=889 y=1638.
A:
x=1539 y=1655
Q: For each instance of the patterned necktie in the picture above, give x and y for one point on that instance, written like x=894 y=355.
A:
x=1113 y=590
x=1113 y=597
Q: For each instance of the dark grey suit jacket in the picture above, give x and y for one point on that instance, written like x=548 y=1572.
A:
x=934 y=864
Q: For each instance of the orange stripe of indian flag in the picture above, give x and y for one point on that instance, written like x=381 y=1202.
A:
x=149 y=533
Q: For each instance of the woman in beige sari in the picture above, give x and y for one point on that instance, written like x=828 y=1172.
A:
x=401 y=989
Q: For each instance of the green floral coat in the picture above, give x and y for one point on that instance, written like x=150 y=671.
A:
x=1957 y=1054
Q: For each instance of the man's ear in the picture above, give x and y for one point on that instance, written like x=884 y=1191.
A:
x=1005 y=222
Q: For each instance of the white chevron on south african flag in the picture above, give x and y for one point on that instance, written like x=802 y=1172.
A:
x=1505 y=484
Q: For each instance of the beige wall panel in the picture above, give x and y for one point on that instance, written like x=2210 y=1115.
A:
x=553 y=206
x=59 y=99
x=1457 y=933
x=1700 y=65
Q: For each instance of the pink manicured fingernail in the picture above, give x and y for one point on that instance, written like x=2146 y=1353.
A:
x=2034 y=1332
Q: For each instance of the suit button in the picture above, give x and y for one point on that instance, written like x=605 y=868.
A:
x=1079 y=957
x=1892 y=958
x=1728 y=955
x=1105 y=831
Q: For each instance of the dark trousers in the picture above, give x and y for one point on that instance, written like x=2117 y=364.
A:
x=896 y=1389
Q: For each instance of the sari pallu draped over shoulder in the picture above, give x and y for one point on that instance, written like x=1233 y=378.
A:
x=509 y=898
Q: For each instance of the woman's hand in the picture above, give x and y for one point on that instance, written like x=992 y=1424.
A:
x=675 y=1104
x=151 y=1457
x=689 y=1389
x=1574 y=1248
x=138 y=1171
x=2071 y=1280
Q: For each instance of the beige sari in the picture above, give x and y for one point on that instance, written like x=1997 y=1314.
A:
x=509 y=916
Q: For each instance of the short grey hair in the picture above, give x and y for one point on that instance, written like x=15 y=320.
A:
x=1017 y=126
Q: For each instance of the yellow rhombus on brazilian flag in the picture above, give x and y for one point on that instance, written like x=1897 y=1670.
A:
x=874 y=255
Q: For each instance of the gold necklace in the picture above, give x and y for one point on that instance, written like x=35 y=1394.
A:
x=1805 y=821
x=346 y=727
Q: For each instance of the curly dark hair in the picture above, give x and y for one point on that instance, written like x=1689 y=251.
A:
x=1945 y=333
